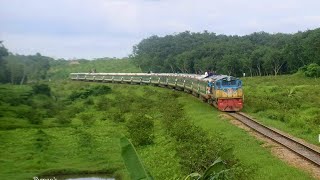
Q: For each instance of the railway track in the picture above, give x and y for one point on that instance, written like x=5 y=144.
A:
x=302 y=149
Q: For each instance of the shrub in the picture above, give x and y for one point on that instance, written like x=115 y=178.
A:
x=87 y=118
x=117 y=116
x=88 y=101
x=140 y=129
x=63 y=118
x=311 y=70
x=41 y=89
x=84 y=139
x=102 y=103
x=75 y=108
x=93 y=90
x=34 y=117
x=42 y=140
x=195 y=148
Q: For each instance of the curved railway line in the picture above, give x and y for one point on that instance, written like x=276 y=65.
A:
x=302 y=149
x=197 y=88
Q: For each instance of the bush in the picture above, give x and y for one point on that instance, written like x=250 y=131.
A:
x=64 y=117
x=117 y=116
x=34 y=117
x=102 y=104
x=311 y=70
x=87 y=118
x=41 y=89
x=93 y=90
x=84 y=139
x=195 y=148
x=42 y=141
x=140 y=129
x=88 y=102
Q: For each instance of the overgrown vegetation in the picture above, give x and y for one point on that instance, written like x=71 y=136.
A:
x=290 y=103
x=84 y=93
x=76 y=136
x=140 y=129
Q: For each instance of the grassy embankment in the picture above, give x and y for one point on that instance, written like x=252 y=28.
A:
x=71 y=132
x=82 y=135
x=290 y=103
x=62 y=69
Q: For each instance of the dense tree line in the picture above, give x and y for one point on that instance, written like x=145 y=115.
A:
x=18 y=69
x=259 y=53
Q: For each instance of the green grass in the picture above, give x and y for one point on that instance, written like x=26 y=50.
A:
x=290 y=103
x=62 y=69
x=51 y=148
x=246 y=148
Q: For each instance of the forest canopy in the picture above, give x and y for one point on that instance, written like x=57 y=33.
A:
x=259 y=53
x=18 y=69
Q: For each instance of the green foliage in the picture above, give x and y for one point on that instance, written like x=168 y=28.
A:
x=90 y=91
x=196 y=150
x=217 y=170
x=42 y=141
x=132 y=161
x=141 y=129
x=286 y=102
x=117 y=116
x=84 y=139
x=34 y=116
x=87 y=118
x=311 y=70
x=94 y=148
x=102 y=103
x=3 y=70
x=41 y=89
x=259 y=53
x=60 y=69
x=64 y=117
x=18 y=69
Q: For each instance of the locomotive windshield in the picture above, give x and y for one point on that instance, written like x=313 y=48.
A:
x=229 y=83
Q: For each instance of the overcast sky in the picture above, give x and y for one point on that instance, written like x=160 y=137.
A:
x=109 y=28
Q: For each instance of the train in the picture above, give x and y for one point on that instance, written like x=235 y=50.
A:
x=225 y=92
x=222 y=91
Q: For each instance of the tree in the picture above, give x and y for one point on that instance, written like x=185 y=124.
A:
x=259 y=53
x=3 y=70
x=273 y=58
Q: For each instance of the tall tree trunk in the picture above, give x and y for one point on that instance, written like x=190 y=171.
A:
x=259 y=69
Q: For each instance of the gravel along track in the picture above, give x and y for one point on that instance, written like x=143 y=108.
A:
x=303 y=150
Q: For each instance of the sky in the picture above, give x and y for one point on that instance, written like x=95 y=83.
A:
x=110 y=28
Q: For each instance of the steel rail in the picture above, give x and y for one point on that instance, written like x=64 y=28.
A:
x=301 y=149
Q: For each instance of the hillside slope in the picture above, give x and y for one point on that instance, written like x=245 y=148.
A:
x=60 y=69
x=289 y=102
